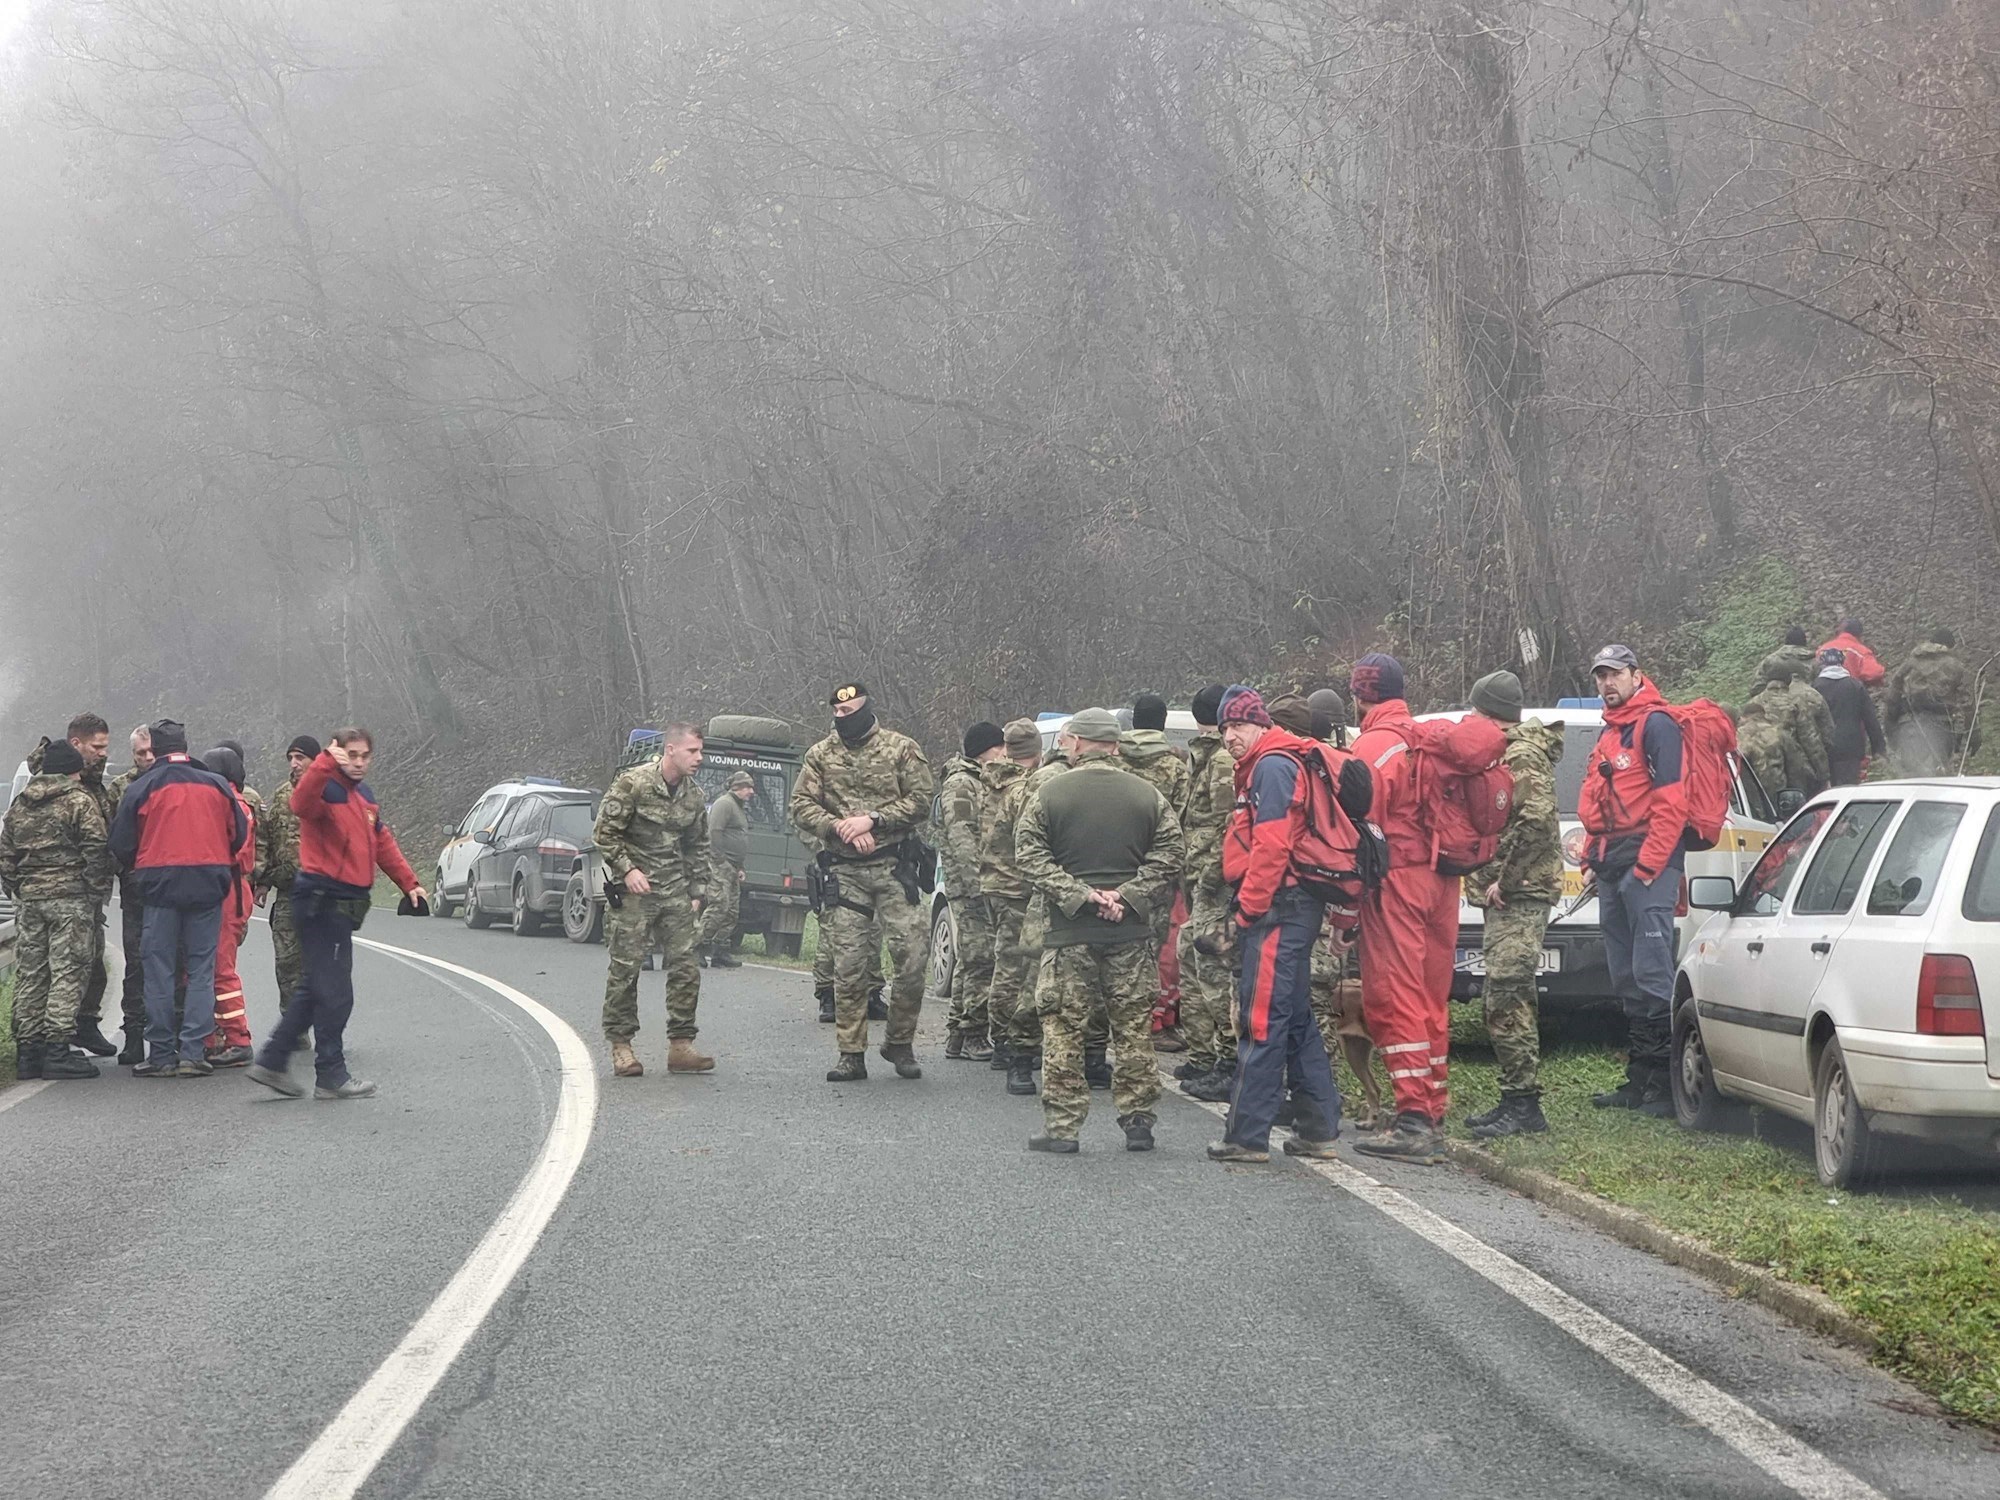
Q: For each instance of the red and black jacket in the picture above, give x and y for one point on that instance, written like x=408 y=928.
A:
x=1633 y=802
x=179 y=831
x=342 y=838
x=1271 y=807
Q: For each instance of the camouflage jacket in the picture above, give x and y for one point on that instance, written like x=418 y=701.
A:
x=960 y=800
x=1810 y=723
x=104 y=793
x=1933 y=681
x=277 y=845
x=54 y=844
x=1786 y=663
x=644 y=824
x=1762 y=746
x=1066 y=880
x=1528 y=864
x=1211 y=796
x=1006 y=793
x=886 y=775
x=1796 y=730
x=1145 y=752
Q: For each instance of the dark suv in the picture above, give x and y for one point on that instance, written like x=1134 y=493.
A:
x=524 y=863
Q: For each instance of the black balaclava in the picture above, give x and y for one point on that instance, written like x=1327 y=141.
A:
x=855 y=727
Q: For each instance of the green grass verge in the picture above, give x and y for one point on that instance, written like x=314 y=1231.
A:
x=753 y=948
x=1919 y=1268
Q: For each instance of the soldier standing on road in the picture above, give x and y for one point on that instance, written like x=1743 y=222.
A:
x=1928 y=704
x=132 y=914
x=823 y=973
x=652 y=831
x=1206 y=980
x=1516 y=888
x=90 y=737
x=278 y=870
x=961 y=799
x=1104 y=850
x=1002 y=884
x=860 y=793
x=728 y=860
x=55 y=861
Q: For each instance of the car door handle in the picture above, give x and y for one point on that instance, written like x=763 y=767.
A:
x=1822 y=947
x=1756 y=947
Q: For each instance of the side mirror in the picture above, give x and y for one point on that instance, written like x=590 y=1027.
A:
x=483 y=836
x=1711 y=893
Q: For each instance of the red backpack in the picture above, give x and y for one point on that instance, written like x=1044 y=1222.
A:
x=1338 y=858
x=1463 y=792
x=1708 y=741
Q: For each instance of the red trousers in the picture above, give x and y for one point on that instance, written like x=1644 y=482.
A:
x=232 y=1026
x=1409 y=934
x=1167 y=1012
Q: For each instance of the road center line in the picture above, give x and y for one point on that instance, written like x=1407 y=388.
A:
x=342 y=1457
x=1803 y=1470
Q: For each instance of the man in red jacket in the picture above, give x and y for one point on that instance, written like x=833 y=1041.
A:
x=1277 y=923
x=342 y=842
x=1409 y=926
x=1860 y=661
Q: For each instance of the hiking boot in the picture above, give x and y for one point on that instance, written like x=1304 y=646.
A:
x=1001 y=1052
x=272 y=1078
x=134 y=1050
x=231 y=1057
x=624 y=1061
x=27 y=1059
x=954 y=1045
x=722 y=958
x=1210 y=1088
x=1411 y=1138
x=1298 y=1145
x=1096 y=1068
x=162 y=1065
x=1515 y=1114
x=354 y=1088
x=904 y=1058
x=1138 y=1132
x=1184 y=1071
x=825 y=998
x=977 y=1048
x=878 y=1008
x=92 y=1040
x=1230 y=1151
x=1644 y=1090
x=1169 y=1039
x=59 y=1062
x=191 y=1067
x=853 y=1068
x=1020 y=1075
x=1055 y=1145
x=682 y=1058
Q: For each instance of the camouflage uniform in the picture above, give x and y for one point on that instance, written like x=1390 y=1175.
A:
x=1081 y=974
x=1776 y=708
x=1928 y=705
x=645 y=824
x=90 y=1012
x=961 y=799
x=726 y=822
x=885 y=775
x=1761 y=744
x=1027 y=1030
x=1796 y=707
x=277 y=867
x=1528 y=869
x=1146 y=753
x=1207 y=986
x=823 y=960
x=1005 y=890
x=55 y=861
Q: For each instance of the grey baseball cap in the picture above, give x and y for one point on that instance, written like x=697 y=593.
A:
x=1616 y=656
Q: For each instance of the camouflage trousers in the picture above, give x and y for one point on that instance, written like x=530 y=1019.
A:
x=1013 y=975
x=718 y=913
x=972 y=969
x=55 y=940
x=1513 y=947
x=1208 y=987
x=857 y=955
x=91 y=1008
x=1076 y=981
x=290 y=958
x=660 y=921
x=823 y=962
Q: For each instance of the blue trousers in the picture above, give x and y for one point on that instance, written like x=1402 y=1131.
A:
x=1278 y=1039
x=1639 y=944
x=326 y=999
x=172 y=943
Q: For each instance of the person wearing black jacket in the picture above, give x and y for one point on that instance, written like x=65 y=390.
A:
x=1857 y=732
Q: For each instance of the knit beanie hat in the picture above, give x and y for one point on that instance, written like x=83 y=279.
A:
x=1098 y=725
x=1208 y=703
x=1243 y=705
x=170 y=737
x=1377 y=678
x=1796 y=636
x=982 y=737
x=61 y=758
x=741 y=779
x=226 y=763
x=306 y=745
x=1329 y=712
x=1498 y=696
x=1289 y=711
x=1149 y=711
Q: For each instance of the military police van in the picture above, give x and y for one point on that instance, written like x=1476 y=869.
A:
x=774 y=902
x=1573 y=972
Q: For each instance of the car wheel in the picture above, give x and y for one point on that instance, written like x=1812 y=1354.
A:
x=476 y=919
x=1846 y=1151
x=1698 y=1103
x=944 y=948
x=583 y=917
x=439 y=906
x=527 y=922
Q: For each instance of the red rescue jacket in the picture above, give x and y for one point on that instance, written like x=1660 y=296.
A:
x=1269 y=816
x=1634 y=822
x=1387 y=734
x=179 y=830
x=1862 y=662
x=342 y=838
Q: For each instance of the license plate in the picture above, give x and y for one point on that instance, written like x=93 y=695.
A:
x=1473 y=961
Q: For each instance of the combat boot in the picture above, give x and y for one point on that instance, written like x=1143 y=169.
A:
x=954 y=1045
x=878 y=1008
x=624 y=1061
x=1411 y=1138
x=1519 y=1112
x=92 y=1040
x=977 y=1048
x=1002 y=1051
x=904 y=1058
x=1055 y=1145
x=682 y=1058
x=1169 y=1039
x=27 y=1059
x=1184 y=1071
x=134 y=1050
x=1138 y=1132
x=1096 y=1068
x=700 y=956
x=720 y=957
x=853 y=1068
x=1020 y=1074
x=1644 y=1090
x=59 y=1062
x=1211 y=1088
x=825 y=998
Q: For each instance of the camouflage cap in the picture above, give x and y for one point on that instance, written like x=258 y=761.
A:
x=1290 y=711
x=742 y=778
x=1099 y=725
x=1023 y=738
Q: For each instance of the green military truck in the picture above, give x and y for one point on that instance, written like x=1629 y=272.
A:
x=774 y=895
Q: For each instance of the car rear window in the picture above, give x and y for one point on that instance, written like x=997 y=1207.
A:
x=1982 y=888
x=1577 y=740
x=572 y=821
x=1909 y=874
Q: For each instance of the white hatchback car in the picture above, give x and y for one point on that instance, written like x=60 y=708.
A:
x=1844 y=982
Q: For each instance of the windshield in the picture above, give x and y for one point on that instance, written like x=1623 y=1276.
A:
x=571 y=821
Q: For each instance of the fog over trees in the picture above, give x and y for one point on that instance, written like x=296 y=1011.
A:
x=546 y=367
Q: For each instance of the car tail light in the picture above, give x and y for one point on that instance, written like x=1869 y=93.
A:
x=1573 y=843
x=557 y=846
x=1948 y=997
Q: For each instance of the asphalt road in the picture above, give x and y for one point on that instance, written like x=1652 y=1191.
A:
x=762 y=1285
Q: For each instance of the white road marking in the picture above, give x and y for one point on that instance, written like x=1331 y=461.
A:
x=21 y=1091
x=1803 y=1470
x=343 y=1456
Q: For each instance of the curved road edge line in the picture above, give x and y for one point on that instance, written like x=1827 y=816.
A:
x=341 y=1458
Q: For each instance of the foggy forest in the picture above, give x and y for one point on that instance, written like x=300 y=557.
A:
x=517 y=373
